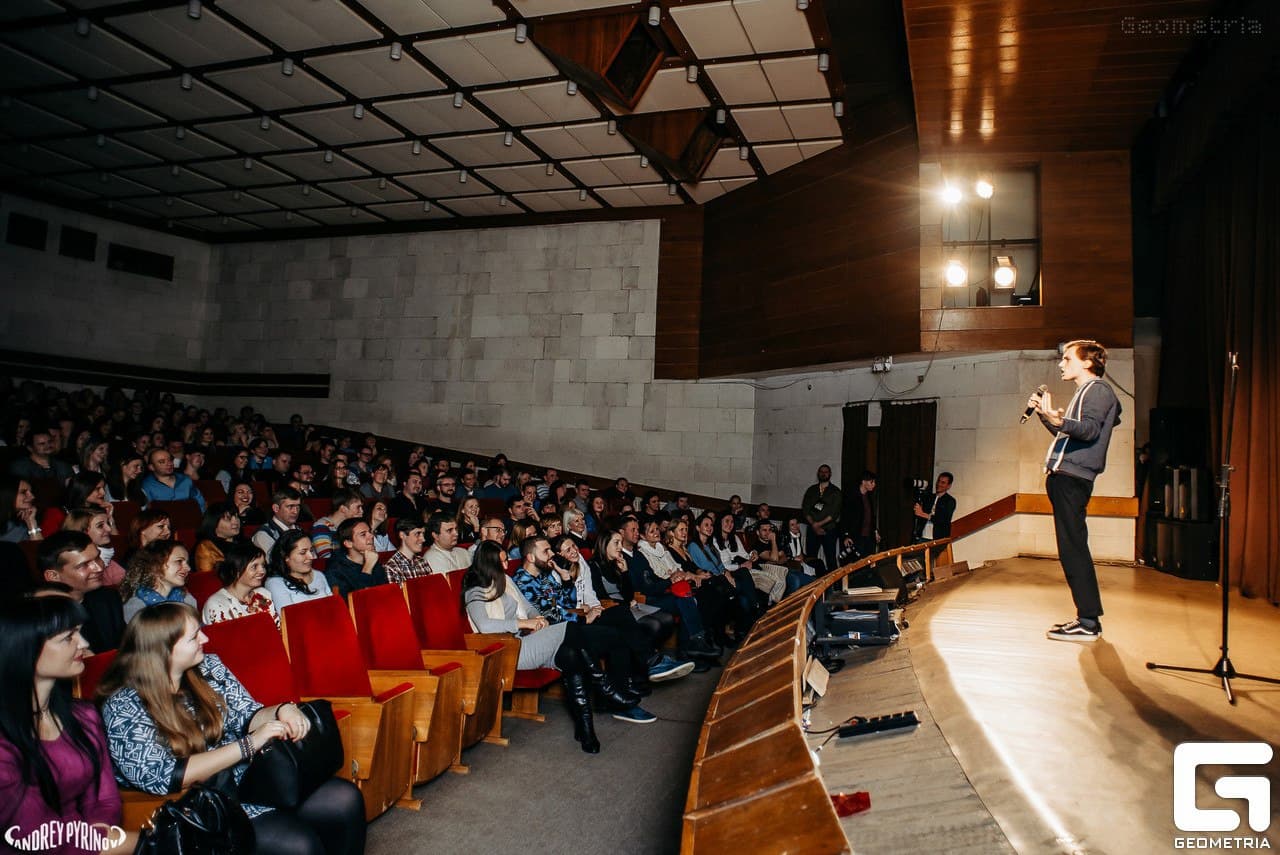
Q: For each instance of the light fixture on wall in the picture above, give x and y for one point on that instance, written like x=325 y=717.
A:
x=582 y=195
x=286 y=66
x=824 y=61
x=462 y=176
x=838 y=108
x=180 y=132
x=416 y=148
x=426 y=207
x=175 y=171
x=644 y=162
x=328 y=156
x=743 y=152
x=101 y=140
x=225 y=220
x=83 y=27
x=92 y=93
x=397 y=51
x=721 y=115
x=248 y=163
x=551 y=169
x=571 y=87
x=382 y=183
x=691 y=74
x=984 y=188
x=457 y=99
x=522 y=32
x=237 y=196
x=288 y=216
x=168 y=201
x=655 y=15
x=611 y=127
x=671 y=189
x=956 y=274
x=358 y=111
x=502 y=201
x=508 y=139
x=306 y=189
x=1005 y=273
x=193 y=9
x=950 y=194
x=354 y=211
x=802 y=4
x=265 y=123
x=103 y=177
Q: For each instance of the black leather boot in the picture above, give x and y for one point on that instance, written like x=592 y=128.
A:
x=578 y=695
x=612 y=690
x=700 y=647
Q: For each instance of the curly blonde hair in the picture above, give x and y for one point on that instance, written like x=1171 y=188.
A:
x=146 y=565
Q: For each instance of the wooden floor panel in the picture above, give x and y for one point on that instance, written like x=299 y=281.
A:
x=1031 y=745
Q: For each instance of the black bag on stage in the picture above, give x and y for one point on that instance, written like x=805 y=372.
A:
x=284 y=774
x=203 y=821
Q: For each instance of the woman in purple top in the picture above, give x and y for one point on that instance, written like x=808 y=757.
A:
x=57 y=791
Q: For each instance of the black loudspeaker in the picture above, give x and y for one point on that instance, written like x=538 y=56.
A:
x=1186 y=549
x=1180 y=437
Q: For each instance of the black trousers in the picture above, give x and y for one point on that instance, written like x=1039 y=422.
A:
x=330 y=822
x=1069 y=496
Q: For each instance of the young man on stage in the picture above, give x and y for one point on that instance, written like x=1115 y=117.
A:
x=1077 y=455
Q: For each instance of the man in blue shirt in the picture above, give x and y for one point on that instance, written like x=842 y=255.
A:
x=163 y=484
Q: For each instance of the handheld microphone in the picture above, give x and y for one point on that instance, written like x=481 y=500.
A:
x=1026 y=414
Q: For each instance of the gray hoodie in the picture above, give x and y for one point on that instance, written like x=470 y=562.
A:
x=1079 y=447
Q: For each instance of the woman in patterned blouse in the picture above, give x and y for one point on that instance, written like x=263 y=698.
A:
x=176 y=717
x=243 y=570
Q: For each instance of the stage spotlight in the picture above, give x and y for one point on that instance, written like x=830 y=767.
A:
x=984 y=188
x=1006 y=272
x=951 y=194
x=956 y=275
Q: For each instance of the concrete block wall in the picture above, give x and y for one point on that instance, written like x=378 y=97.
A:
x=67 y=307
x=537 y=341
x=980 y=398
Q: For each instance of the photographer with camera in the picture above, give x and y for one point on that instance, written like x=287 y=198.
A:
x=933 y=511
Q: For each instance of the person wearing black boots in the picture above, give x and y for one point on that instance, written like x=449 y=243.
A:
x=494 y=605
x=737 y=581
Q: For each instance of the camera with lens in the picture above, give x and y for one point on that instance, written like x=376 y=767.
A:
x=918 y=487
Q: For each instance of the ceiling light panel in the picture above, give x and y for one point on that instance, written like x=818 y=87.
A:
x=480 y=206
x=301 y=24
x=248 y=135
x=108 y=111
x=188 y=42
x=21 y=70
x=108 y=156
x=538 y=104
x=795 y=78
x=777 y=157
x=566 y=200
x=231 y=172
x=713 y=29
x=164 y=143
x=671 y=91
x=342 y=216
x=397 y=157
x=437 y=185
x=707 y=189
x=435 y=114
x=628 y=197
x=774 y=26
x=339 y=126
x=578 y=141
x=482 y=58
x=100 y=55
x=21 y=119
x=426 y=15
x=200 y=102
x=763 y=123
x=19 y=158
x=366 y=192
x=230 y=201
x=291 y=196
x=741 y=82
x=817 y=147
x=483 y=149
x=277 y=220
x=310 y=166
x=169 y=207
x=41 y=186
x=532 y=8
x=372 y=73
x=811 y=121
x=529 y=177
x=727 y=164
x=163 y=179
x=16 y=10
x=114 y=185
x=216 y=224
x=410 y=211
x=265 y=87
x=613 y=170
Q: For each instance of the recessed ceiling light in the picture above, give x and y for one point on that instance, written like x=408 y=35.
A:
x=286 y=66
x=396 y=51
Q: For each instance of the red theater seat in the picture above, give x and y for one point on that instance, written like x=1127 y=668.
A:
x=184 y=513
x=202 y=586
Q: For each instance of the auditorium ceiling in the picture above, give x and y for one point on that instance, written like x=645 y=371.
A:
x=228 y=117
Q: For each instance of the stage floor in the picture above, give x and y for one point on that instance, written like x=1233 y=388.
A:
x=1037 y=746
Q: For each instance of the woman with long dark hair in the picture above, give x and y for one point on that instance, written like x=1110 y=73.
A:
x=84 y=490
x=54 y=765
x=219 y=529
x=493 y=604
x=176 y=717
x=291 y=574
x=612 y=582
x=124 y=479
x=243 y=570
x=18 y=519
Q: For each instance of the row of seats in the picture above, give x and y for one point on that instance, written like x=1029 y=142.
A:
x=412 y=686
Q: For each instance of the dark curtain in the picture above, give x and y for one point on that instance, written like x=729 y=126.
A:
x=907 y=432
x=1220 y=295
x=853 y=448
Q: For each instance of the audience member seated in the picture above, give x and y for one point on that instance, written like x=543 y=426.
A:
x=715 y=600
x=292 y=577
x=54 y=766
x=165 y=485
x=377 y=519
x=286 y=504
x=354 y=563
x=677 y=601
x=773 y=560
x=706 y=555
x=468 y=485
x=619 y=499
x=175 y=717
x=93 y=456
x=237 y=471
x=445 y=555
x=406 y=504
x=612 y=582
x=40 y=463
x=337 y=476
x=492 y=531
x=735 y=557
x=574 y=525
x=738 y=511
x=260 y=459
x=495 y=605
x=597 y=513
x=147 y=527
x=762 y=515
x=93 y=522
x=219 y=529
x=124 y=479
x=468 y=520
x=346 y=505
x=86 y=489
x=378 y=486
x=156 y=573
x=445 y=499
x=500 y=487
x=243 y=571
x=18 y=506
x=71 y=559
x=408 y=562
x=246 y=504
x=193 y=462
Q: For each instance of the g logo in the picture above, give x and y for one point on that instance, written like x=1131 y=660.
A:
x=1254 y=789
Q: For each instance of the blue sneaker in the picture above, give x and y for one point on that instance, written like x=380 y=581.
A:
x=636 y=715
x=669 y=669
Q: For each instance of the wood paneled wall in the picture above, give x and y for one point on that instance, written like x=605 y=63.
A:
x=679 y=310
x=821 y=263
x=1086 y=267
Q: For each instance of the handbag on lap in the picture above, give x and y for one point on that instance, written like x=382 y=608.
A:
x=284 y=774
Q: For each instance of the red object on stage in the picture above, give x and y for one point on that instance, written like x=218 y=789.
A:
x=847 y=804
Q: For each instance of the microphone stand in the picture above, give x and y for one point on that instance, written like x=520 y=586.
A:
x=1223 y=669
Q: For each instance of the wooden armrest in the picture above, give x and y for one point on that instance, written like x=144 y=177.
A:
x=365 y=720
